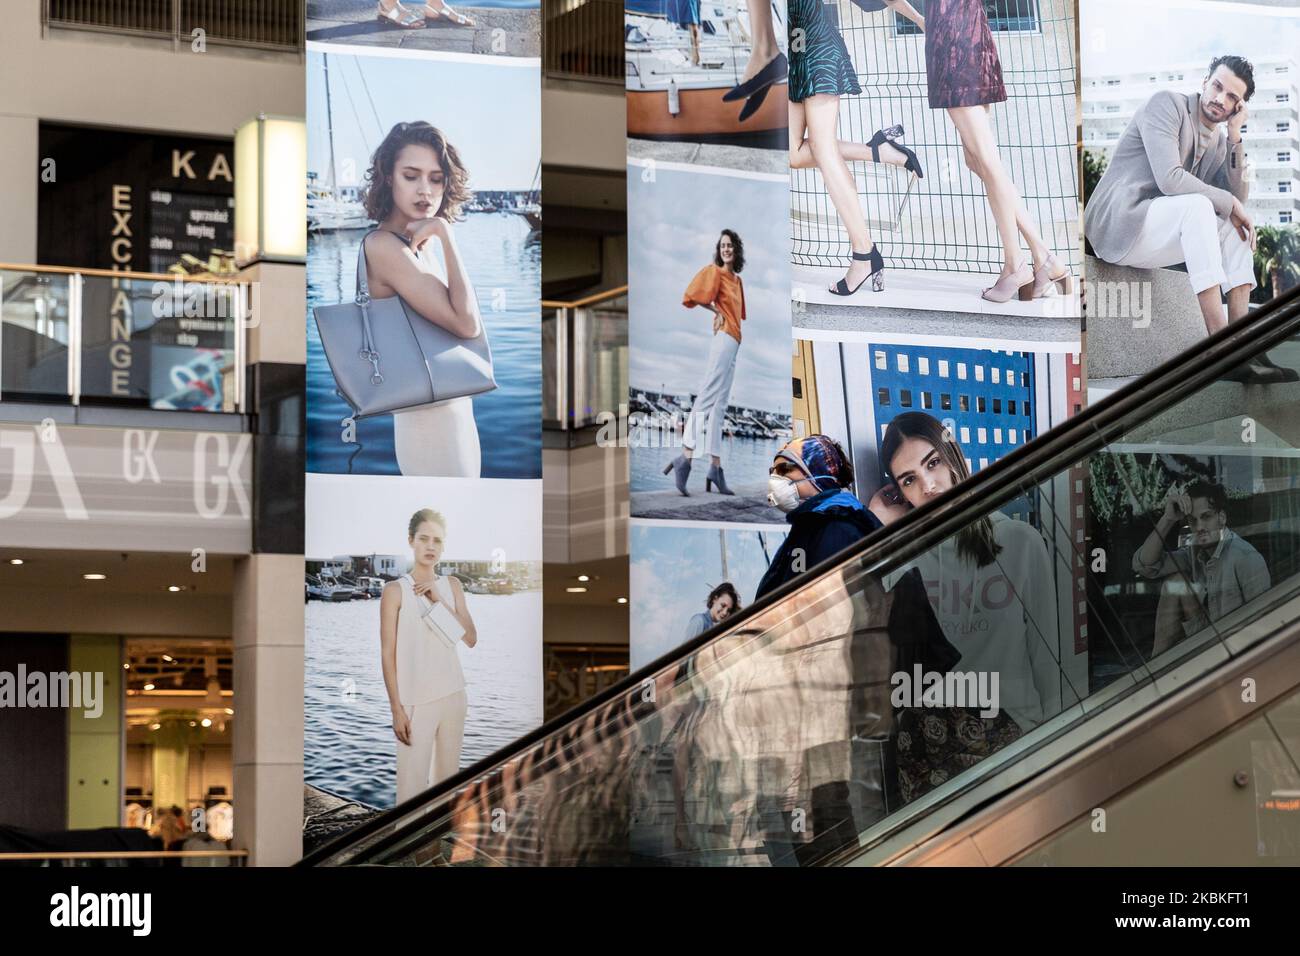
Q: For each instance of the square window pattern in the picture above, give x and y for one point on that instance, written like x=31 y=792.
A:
x=1004 y=16
x=992 y=414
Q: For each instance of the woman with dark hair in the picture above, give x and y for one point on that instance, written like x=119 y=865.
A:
x=718 y=288
x=415 y=188
x=722 y=602
x=992 y=590
x=809 y=480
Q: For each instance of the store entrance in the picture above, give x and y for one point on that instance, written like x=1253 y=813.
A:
x=180 y=710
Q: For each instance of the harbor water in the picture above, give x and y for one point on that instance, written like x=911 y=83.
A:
x=744 y=460
x=349 y=744
x=503 y=258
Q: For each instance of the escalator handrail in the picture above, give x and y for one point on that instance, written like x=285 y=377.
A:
x=1162 y=387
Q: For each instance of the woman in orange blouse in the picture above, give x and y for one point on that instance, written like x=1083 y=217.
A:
x=716 y=287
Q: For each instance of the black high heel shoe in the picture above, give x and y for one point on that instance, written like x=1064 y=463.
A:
x=883 y=136
x=778 y=68
x=877 y=275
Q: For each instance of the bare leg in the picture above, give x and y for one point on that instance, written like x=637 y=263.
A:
x=1238 y=302
x=821 y=112
x=717 y=462
x=801 y=156
x=981 y=153
x=1211 y=304
x=695 y=43
x=764 y=49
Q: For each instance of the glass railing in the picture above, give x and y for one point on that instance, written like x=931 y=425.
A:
x=1144 y=537
x=584 y=359
x=138 y=339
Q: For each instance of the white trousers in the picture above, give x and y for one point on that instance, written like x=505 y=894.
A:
x=703 y=434
x=439 y=440
x=433 y=755
x=1186 y=229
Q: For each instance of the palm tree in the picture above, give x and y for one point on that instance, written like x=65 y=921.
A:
x=1277 y=257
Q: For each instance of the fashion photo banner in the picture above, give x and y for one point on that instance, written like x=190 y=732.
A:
x=709 y=315
x=424 y=499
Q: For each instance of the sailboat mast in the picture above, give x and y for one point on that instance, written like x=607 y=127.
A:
x=329 y=120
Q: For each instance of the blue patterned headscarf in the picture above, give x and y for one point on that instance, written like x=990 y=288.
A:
x=818 y=457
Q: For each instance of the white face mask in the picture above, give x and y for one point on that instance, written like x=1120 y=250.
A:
x=782 y=493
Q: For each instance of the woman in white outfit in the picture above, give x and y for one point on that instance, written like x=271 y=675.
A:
x=421 y=663
x=718 y=288
x=416 y=187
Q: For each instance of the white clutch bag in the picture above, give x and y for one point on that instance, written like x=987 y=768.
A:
x=441 y=621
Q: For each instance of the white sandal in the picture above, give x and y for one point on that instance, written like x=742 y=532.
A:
x=447 y=13
x=399 y=17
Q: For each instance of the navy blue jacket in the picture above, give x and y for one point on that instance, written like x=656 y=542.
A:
x=822 y=526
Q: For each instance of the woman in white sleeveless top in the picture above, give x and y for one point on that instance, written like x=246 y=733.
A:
x=416 y=188
x=421 y=663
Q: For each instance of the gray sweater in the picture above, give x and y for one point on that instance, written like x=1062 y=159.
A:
x=1155 y=157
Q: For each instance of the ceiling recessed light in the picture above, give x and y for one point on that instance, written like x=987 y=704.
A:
x=95 y=577
x=230 y=711
x=169 y=659
x=148 y=686
x=622 y=600
x=583 y=577
x=175 y=587
x=15 y=560
x=155 y=726
x=576 y=590
x=206 y=721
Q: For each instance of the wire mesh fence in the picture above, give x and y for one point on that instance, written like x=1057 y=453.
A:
x=943 y=222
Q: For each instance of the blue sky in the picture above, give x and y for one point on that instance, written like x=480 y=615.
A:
x=673 y=225
x=1120 y=36
x=672 y=572
x=490 y=112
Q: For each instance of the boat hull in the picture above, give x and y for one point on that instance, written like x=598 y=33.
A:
x=703 y=113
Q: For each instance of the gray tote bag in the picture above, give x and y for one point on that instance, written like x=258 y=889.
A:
x=387 y=358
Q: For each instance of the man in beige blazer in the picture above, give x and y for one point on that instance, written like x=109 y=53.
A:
x=1175 y=191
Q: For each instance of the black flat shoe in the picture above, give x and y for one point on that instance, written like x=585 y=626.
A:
x=1255 y=373
x=1285 y=373
x=778 y=68
x=883 y=136
x=877 y=275
x=753 y=103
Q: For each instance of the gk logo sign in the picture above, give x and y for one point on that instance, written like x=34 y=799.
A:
x=22 y=444
x=216 y=472
x=228 y=459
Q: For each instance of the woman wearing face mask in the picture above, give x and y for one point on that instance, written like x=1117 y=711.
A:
x=718 y=288
x=809 y=481
x=722 y=602
x=416 y=187
x=991 y=588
